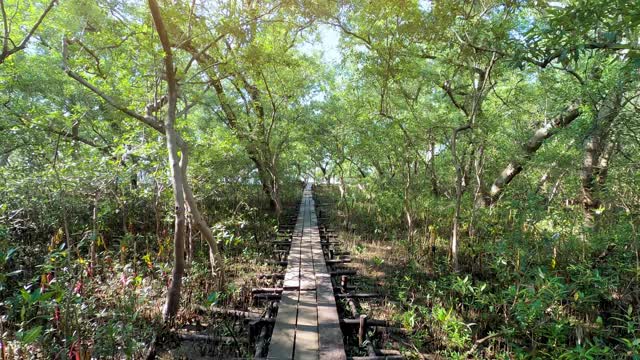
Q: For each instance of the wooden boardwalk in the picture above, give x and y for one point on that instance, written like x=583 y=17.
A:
x=307 y=325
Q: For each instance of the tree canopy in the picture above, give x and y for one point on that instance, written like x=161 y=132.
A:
x=495 y=142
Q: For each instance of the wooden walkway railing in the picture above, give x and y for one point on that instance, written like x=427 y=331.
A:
x=307 y=324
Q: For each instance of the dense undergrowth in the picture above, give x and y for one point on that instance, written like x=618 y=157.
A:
x=56 y=304
x=485 y=155
x=524 y=289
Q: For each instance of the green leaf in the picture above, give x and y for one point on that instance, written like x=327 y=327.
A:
x=35 y=296
x=213 y=298
x=13 y=273
x=25 y=295
x=28 y=337
x=9 y=254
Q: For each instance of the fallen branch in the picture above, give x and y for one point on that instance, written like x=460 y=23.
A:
x=239 y=313
x=478 y=343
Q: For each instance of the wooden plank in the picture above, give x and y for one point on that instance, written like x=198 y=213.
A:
x=307 y=275
x=292 y=275
x=307 y=324
x=284 y=331
x=307 y=345
x=297 y=231
x=330 y=335
x=319 y=267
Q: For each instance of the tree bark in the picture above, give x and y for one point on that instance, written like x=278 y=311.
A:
x=455 y=231
x=94 y=233
x=274 y=189
x=269 y=181
x=597 y=150
x=173 y=295
x=406 y=203
x=215 y=258
x=516 y=165
x=432 y=170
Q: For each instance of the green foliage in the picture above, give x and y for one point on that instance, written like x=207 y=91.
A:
x=458 y=334
x=29 y=336
x=5 y=274
x=547 y=244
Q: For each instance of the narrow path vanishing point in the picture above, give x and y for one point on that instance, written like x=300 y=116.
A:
x=307 y=324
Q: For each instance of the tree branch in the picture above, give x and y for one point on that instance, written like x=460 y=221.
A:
x=5 y=40
x=66 y=134
x=447 y=88
x=6 y=52
x=515 y=166
x=149 y=120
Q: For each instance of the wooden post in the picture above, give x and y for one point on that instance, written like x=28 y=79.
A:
x=362 y=329
x=343 y=282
